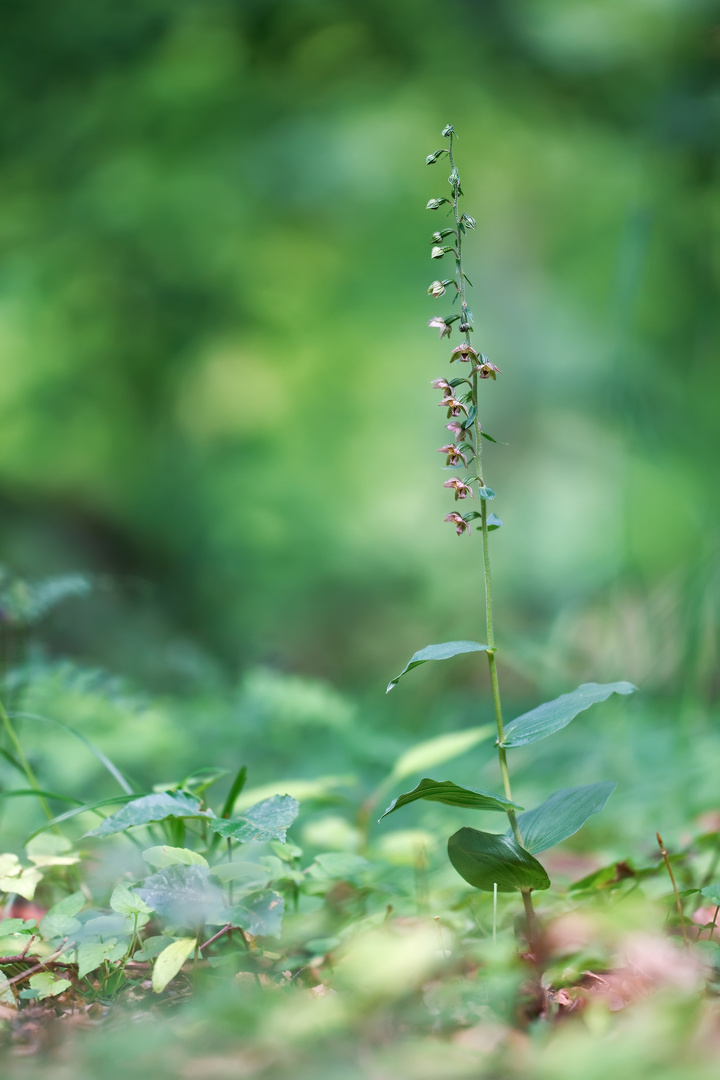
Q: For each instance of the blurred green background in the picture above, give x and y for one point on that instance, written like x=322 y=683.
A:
x=215 y=361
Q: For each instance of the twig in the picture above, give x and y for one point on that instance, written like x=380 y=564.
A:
x=664 y=854
x=219 y=934
x=36 y=967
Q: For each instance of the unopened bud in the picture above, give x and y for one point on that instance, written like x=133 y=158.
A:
x=436 y=289
x=435 y=204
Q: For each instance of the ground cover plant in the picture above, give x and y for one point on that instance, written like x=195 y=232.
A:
x=347 y=948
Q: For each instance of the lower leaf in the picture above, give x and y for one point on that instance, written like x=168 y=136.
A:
x=487 y=859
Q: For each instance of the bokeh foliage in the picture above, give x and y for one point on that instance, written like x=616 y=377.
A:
x=212 y=328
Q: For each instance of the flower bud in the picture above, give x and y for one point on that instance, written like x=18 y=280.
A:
x=438 y=252
x=468 y=222
x=435 y=204
x=447 y=131
x=436 y=289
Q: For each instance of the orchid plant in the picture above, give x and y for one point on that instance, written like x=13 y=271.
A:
x=492 y=861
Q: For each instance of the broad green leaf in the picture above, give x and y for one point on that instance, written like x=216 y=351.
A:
x=259 y=914
x=91 y=954
x=267 y=820
x=169 y=962
x=445 y=791
x=69 y=905
x=167 y=856
x=486 y=493
x=554 y=715
x=125 y=901
x=712 y=892
x=562 y=814
x=486 y=859
x=437 y=751
x=9 y=865
x=245 y=875
x=184 y=895
x=436 y=652
x=48 y=985
x=17 y=926
x=150 y=808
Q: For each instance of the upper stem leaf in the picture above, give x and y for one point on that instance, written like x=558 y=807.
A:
x=436 y=652
x=554 y=715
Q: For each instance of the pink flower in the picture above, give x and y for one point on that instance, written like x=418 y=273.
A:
x=486 y=370
x=463 y=352
x=459 y=522
x=462 y=490
x=454 y=454
x=437 y=322
x=454 y=407
x=442 y=384
x=464 y=434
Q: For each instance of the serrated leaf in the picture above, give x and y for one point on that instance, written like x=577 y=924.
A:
x=169 y=962
x=184 y=895
x=125 y=901
x=48 y=985
x=554 y=715
x=486 y=859
x=444 y=651
x=167 y=856
x=149 y=808
x=437 y=751
x=562 y=814
x=266 y=820
x=445 y=791
x=259 y=914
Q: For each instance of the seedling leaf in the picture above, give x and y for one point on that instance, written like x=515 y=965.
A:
x=150 y=808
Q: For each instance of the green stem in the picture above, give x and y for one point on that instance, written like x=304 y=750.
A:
x=30 y=775
x=490 y=652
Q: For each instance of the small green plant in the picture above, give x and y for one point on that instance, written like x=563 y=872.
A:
x=491 y=861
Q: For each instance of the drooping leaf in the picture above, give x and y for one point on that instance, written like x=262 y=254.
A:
x=437 y=751
x=164 y=855
x=562 y=814
x=184 y=895
x=445 y=791
x=259 y=914
x=437 y=652
x=554 y=715
x=266 y=820
x=169 y=962
x=102 y=758
x=486 y=859
x=150 y=808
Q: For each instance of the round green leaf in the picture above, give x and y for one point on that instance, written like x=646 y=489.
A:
x=486 y=859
